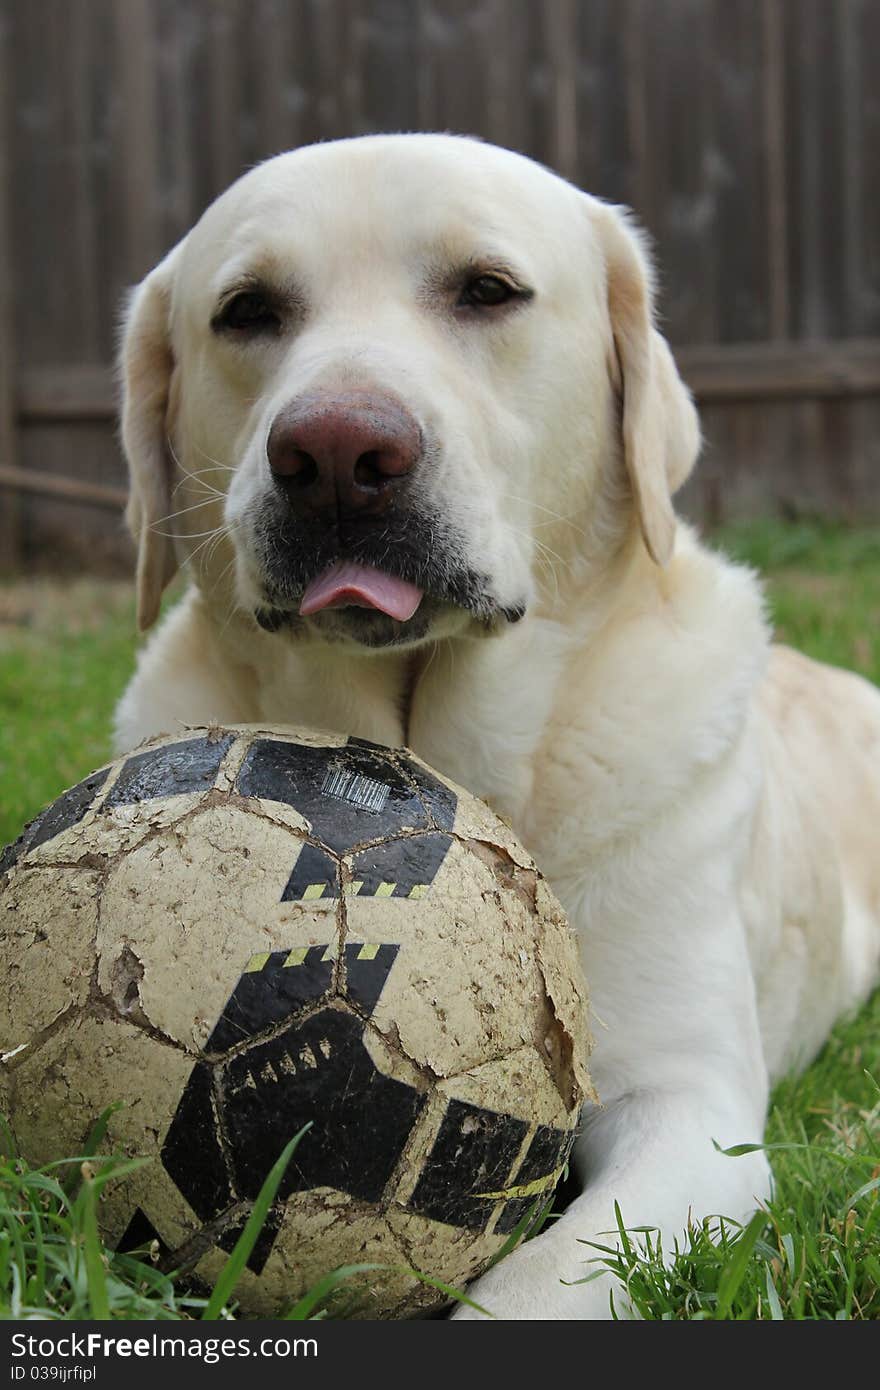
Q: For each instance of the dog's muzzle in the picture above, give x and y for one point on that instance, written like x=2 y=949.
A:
x=346 y=526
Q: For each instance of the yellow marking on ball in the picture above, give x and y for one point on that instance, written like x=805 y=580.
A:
x=369 y=950
x=314 y=890
x=296 y=956
x=525 y=1189
x=418 y=890
x=257 y=962
x=385 y=890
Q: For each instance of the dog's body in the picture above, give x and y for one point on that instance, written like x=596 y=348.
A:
x=703 y=804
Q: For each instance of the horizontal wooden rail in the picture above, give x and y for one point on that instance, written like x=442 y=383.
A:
x=729 y=372
x=69 y=489
x=774 y=371
x=69 y=395
x=65 y=394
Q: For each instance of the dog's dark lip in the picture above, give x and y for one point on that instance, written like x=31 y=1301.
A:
x=283 y=612
x=273 y=619
x=468 y=593
x=365 y=626
x=415 y=546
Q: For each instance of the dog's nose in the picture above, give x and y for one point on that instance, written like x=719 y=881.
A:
x=343 y=453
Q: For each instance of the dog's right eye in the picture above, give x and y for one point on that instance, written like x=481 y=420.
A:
x=249 y=312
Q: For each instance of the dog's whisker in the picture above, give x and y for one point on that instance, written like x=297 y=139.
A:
x=175 y=536
x=555 y=516
x=172 y=516
x=196 y=478
x=233 y=605
x=218 y=466
x=207 y=547
x=185 y=471
x=213 y=546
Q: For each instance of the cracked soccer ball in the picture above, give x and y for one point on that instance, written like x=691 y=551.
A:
x=238 y=931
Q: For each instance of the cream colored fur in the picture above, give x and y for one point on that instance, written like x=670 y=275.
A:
x=704 y=804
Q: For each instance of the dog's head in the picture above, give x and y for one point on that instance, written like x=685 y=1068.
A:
x=394 y=388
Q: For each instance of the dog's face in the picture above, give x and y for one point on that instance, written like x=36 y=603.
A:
x=392 y=389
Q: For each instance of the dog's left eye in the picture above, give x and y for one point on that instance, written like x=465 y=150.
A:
x=487 y=291
x=248 y=312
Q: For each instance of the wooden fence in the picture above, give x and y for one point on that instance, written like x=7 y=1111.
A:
x=745 y=133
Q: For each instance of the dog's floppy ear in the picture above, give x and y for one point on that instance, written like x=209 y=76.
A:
x=147 y=368
x=661 y=432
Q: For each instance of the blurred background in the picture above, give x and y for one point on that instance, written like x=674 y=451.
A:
x=744 y=133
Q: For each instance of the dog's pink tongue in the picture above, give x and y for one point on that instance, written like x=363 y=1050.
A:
x=348 y=584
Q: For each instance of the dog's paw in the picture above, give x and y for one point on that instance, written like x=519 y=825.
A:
x=542 y=1281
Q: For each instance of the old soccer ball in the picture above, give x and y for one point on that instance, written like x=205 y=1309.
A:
x=236 y=931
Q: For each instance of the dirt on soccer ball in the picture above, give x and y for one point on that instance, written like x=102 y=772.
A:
x=235 y=931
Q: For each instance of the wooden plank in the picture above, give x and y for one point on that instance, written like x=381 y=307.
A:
x=637 y=62
x=865 y=426
x=770 y=371
x=84 y=296
x=507 y=70
x=279 y=89
x=815 y=167
x=854 y=182
x=858 y=25
x=139 y=210
x=867 y=285
x=672 y=117
x=62 y=530
x=339 y=40
x=610 y=102
x=10 y=512
x=223 y=98
x=775 y=161
x=559 y=20
x=447 y=88
x=65 y=393
x=43 y=176
x=175 y=92
x=54 y=485
x=733 y=183
x=388 y=43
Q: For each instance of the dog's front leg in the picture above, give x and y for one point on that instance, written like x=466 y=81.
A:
x=678 y=1064
x=652 y=1154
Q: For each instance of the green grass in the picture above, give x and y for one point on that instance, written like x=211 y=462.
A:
x=53 y=1264
x=823 y=582
x=65 y=654
x=815 y=1251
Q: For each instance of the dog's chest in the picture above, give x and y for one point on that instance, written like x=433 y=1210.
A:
x=481 y=710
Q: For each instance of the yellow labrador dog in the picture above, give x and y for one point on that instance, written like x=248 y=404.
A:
x=398 y=405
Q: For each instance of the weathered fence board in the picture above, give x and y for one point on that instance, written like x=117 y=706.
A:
x=10 y=502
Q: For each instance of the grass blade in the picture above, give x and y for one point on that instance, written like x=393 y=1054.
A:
x=318 y=1292
x=455 y=1294
x=534 y=1217
x=90 y=1147
x=96 y=1274
x=734 y=1271
x=863 y=1192
x=773 y=1298
x=232 y=1270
